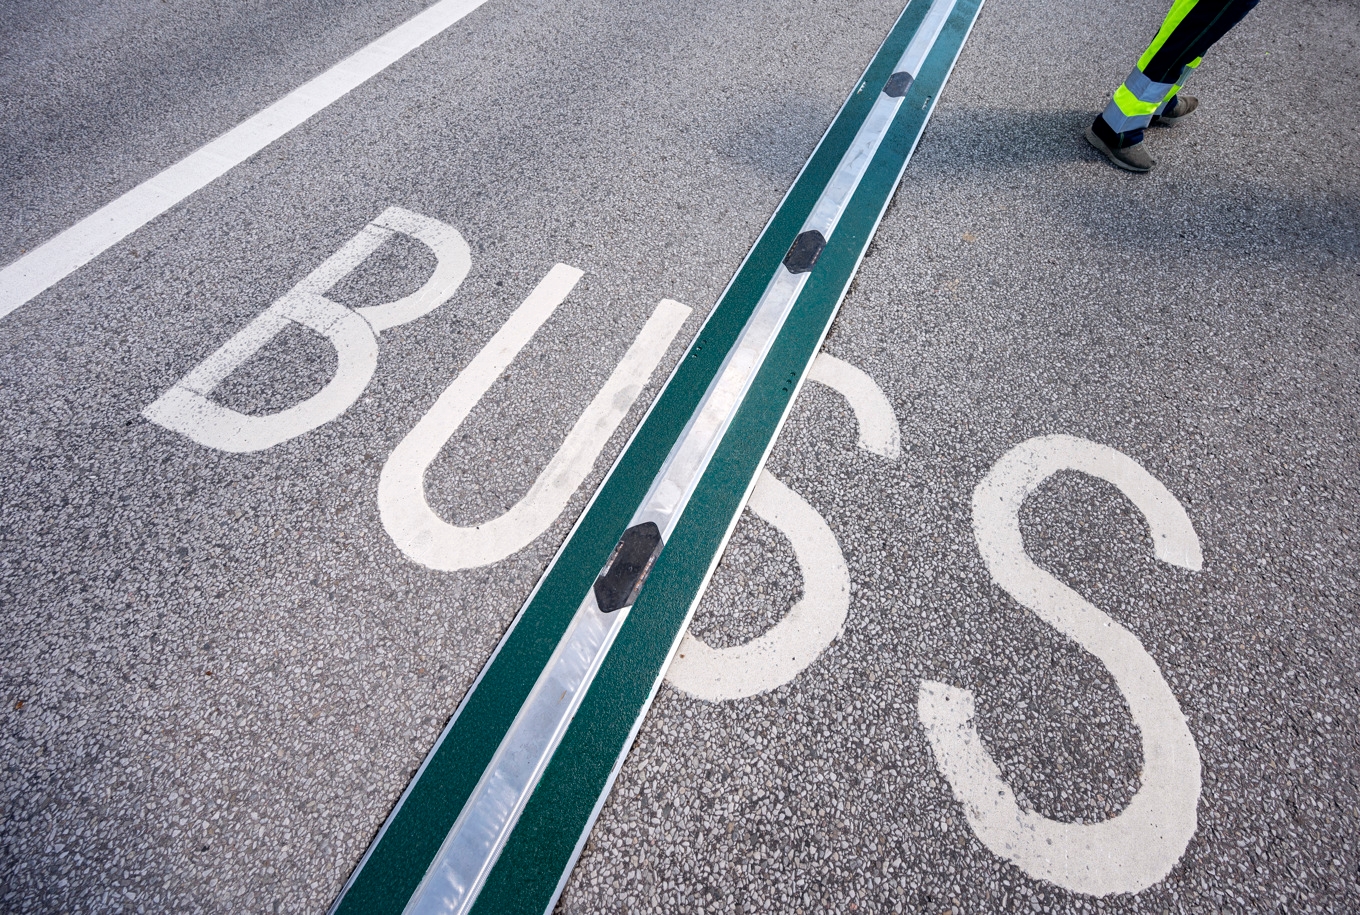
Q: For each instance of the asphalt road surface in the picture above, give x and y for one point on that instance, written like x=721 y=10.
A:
x=1098 y=563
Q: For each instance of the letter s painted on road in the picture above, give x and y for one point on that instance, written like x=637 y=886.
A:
x=1139 y=846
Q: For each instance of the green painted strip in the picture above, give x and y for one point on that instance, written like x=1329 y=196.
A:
x=527 y=876
x=545 y=842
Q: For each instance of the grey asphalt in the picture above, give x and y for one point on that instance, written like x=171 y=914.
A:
x=219 y=673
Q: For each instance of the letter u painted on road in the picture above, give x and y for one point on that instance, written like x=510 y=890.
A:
x=430 y=540
x=1139 y=846
x=188 y=409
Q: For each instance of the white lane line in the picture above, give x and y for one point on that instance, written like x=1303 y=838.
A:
x=59 y=257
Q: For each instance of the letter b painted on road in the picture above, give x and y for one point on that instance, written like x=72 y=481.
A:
x=187 y=407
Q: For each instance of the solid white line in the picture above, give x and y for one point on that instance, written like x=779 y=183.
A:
x=54 y=260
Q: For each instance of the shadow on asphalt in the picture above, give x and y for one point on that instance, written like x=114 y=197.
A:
x=1194 y=198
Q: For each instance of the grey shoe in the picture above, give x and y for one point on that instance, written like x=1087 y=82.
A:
x=1180 y=106
x=1133 y=158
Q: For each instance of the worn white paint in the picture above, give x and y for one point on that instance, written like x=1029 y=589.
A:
x=1139 y=846
x=453 y=262
x=68 y=251
x=187 y=408
x=878 y=430
x=787 y=648
x=430 y=540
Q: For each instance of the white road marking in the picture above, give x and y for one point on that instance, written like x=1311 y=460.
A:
x=453 y=262
x=67 y=252
x=1139 y=846
x=878 y=430
x=186 y=407
x=786 y=649
x=430 y=540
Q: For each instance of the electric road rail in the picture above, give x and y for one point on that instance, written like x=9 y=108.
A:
x=499 y=811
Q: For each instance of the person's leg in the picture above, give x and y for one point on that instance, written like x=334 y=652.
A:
x=1189 y=30
x=1176 y=106
x=1190 y=37
x=1184 y=51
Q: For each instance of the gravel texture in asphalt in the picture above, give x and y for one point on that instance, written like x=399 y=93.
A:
x=219 y=672
x=1201 y=320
